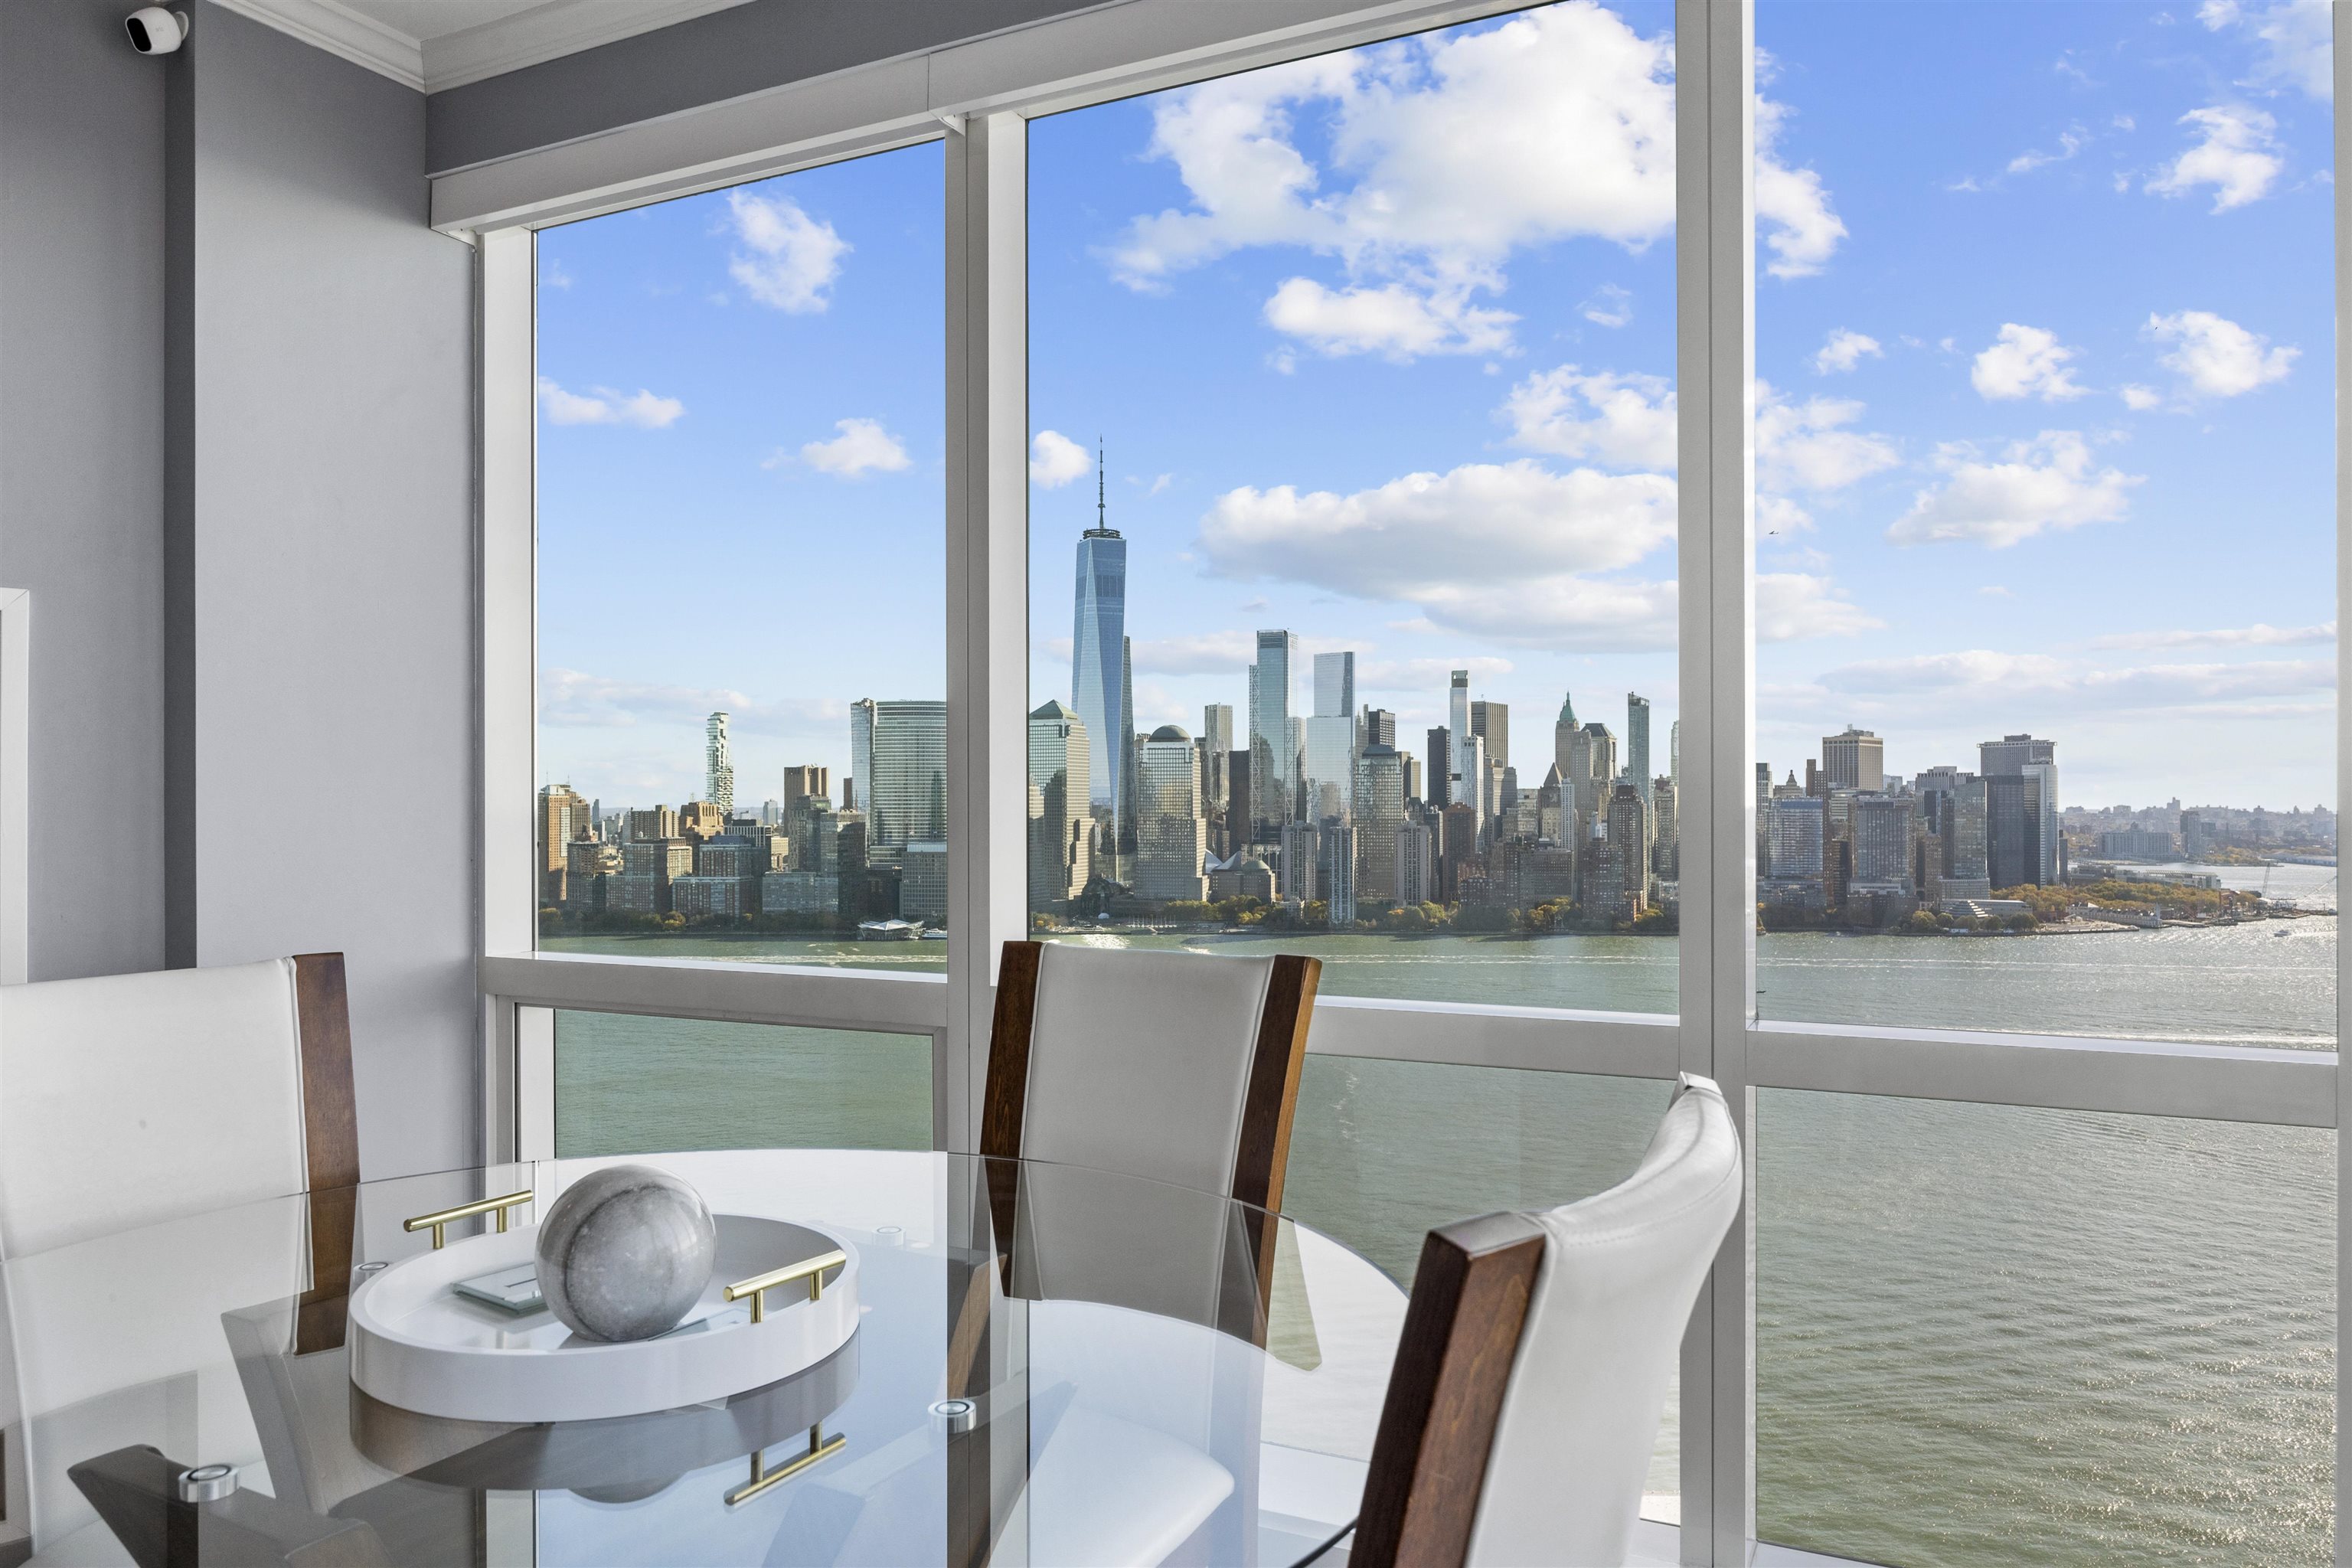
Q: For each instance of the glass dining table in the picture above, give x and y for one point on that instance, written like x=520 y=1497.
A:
x=1049 y=1366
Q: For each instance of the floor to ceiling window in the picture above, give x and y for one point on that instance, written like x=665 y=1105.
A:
x=1353 y=614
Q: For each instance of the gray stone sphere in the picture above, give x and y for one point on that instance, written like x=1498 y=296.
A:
x=624 y=1253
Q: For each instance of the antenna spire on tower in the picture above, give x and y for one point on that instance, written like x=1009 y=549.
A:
x=1099 y=521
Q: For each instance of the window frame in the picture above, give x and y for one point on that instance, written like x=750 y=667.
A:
x=976 y=98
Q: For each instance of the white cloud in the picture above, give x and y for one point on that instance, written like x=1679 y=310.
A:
x=551 y=274
x=2218 y=357
x=1393 y=319
x=1610 y=306
x=2025 y=361
x=2238 y=157
x=2071 y=140
x=1502 y=551
x=1055 y=460
x=2259 y=634
x=862 y=447
x=576 y=699
x=2140 y=399
x=602 y=405
x=2295 y=37
x=1779 y=516
x=1446 y=155
x=1804 y=228
x=2057 y=685
x=1622 y=420
x=2046 y=482
x=1426 y=674
x=1791 y=606
x=790 y=259
x=1804 y=446
x=1159 y=483
x=1844 y=349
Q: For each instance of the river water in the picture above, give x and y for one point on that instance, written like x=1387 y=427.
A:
x=1984 y=1335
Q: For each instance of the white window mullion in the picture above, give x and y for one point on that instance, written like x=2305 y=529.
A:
x=1713 y=359
x=988 y=592
x=2343 y=96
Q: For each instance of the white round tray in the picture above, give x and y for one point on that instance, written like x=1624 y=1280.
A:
x=416 y=1345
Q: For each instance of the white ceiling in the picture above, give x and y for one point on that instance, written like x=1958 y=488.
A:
x=433 y=44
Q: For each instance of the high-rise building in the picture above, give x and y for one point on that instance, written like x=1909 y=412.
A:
x=1416 y=865
x=1376 y=728
x=1216 y=752
x=1335 y=684
x=1239 y=813
x=1564 y=732
x=1380 y=812
x=1098 y=652
x=1131 y=739
x=1458 y=846
x=1792 y=838
x=899 y=751
x=1331 y=738
x=1462 y=782
x=923 y=882
x=1637 y=743
x=700 y=820
x=1491 y=723
x=717 y=765
x=1591 y=770
x=2004 y=757
x=563 y=816
x=1629 y=828
x=804 y=779
x=1666 y=853
x=2021 y=823
x=1440 y=752
x=1274 y=763
x=1855 y=760
x=1879 y=829
x=1172 y=834
x=1060 y=824
x=1302 y=848
x=1335 y=869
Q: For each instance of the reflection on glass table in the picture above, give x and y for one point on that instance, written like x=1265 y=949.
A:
x=1051 y=1364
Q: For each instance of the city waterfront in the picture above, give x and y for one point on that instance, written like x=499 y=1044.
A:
x=2121 y=1328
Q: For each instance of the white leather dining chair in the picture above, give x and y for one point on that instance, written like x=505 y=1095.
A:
x=188 y=1137
x=1535 y=1361
x=1178 y=1068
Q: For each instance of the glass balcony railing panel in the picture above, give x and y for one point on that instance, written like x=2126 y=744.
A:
x=631 y=1085
x=1987 y=1336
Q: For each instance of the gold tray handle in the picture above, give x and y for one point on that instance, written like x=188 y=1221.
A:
x=466 y=1211
x=820 y=1448
x=759 y=1285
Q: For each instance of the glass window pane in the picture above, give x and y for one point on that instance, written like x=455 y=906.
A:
x=741 y=604
x=1371 y=644
x=2045 y=512
x=1383 y=1152
x=1987 y=1335
x=632 y=1085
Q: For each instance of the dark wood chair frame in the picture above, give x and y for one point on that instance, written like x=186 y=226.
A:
x=1452 y=1367
x=1261 y=1154
x=331 y=1134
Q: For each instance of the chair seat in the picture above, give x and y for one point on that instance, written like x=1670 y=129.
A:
x=1107 y=1493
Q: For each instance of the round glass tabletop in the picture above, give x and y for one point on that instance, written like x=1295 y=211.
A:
x=1043 y=1365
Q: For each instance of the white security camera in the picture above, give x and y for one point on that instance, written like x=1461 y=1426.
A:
x=155 y=31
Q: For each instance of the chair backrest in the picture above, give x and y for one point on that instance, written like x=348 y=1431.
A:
x=129 y=1100
x=1535 y=1360
x=1171 y=1065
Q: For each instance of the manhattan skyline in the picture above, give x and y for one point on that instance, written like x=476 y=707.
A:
x=2167 y=392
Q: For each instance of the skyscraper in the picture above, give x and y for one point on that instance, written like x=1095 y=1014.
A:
x=1380 y=812
x=1637 y=743
x=1439 y=754
x=1216 y=746
x=1855 y=760
x=1274 y=763
x=901 y=753
x=1059 y=822
x=1461 y=775
x=1098 y=653
x=1491 y=723
x=1564 y=731
x=1331 y=737
x=2021 y=810
x=1172 y=835
x=806 y=779
x=717 y=765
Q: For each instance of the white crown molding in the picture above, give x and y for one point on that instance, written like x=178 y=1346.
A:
x=544 y=32
x=548 y=32
x=340 y=31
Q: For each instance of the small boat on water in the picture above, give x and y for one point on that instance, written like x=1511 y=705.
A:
x=889 y=931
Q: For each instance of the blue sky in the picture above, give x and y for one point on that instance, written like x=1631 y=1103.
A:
x=1383 y=349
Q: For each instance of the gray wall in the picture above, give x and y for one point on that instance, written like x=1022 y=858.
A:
x=333 y=566
x=744 y=49
x=234 y=471
x=81 y=477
